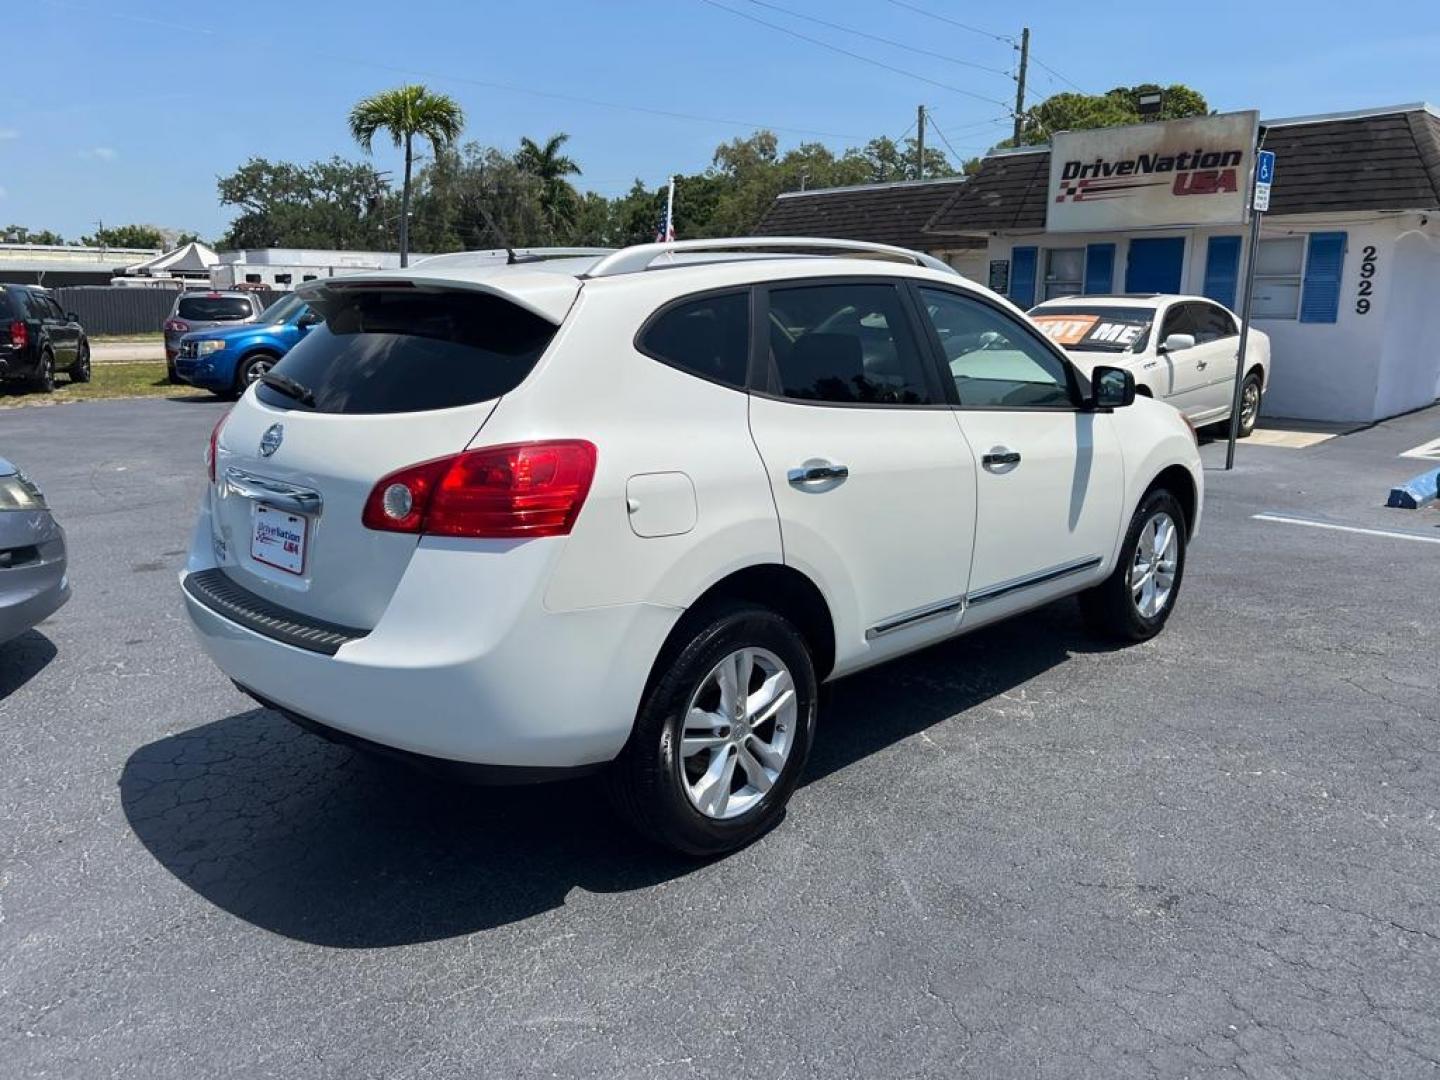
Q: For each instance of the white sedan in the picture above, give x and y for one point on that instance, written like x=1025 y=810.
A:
x=1181 y=349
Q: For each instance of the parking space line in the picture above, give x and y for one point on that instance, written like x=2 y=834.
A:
x=1345 y=528
x=1429 y=451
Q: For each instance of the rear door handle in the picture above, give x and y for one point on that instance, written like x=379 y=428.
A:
x=1000 y=457
x=818 y=473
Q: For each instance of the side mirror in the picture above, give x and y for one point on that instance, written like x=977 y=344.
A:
x=1178 y=343
x=1111 y=388
x=72 y=316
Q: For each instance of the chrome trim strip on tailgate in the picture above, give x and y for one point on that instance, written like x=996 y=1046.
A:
x=212 y=590
x=276 y=493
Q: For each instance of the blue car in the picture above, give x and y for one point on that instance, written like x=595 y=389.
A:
x=226 y=360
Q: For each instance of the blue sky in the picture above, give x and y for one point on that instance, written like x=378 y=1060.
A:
x=128 y=112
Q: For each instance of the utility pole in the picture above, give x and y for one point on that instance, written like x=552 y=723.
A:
x=1020 y=81
x=920 y=143
x=100 y=235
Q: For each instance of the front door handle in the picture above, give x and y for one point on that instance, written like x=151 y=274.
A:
x=818 y=473
x=1201 y=364
x=1000 y=457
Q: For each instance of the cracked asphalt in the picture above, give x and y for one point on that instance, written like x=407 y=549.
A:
x=1017 y=854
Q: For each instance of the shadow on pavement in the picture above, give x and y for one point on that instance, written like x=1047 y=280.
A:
x=22 y=658
x=317 y=843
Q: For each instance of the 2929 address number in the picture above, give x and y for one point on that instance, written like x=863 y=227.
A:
x=1367 y=280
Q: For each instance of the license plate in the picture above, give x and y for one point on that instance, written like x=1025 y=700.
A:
x=278 y=539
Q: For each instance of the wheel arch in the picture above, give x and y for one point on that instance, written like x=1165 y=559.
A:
x=782 y=589
x=1179 y=482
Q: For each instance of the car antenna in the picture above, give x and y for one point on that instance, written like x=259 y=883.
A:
x=510 y=257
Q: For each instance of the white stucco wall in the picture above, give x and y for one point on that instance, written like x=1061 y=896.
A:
x=1362 y=366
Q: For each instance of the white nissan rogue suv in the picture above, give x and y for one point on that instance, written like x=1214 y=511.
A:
x=626 y=510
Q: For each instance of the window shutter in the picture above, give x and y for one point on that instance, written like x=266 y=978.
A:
x=1022 y=276
x=1100 y=268
x=1222 y=269
x=1320 y=300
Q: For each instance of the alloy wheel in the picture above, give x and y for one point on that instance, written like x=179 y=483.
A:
x=1152 y=570
x=1249 y=404
x=256 y=369
x=738 y=731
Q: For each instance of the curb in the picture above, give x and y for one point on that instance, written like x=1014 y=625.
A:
x=1416 y=492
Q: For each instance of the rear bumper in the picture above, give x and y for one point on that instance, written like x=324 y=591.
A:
x=34 y=591
x=465 y=665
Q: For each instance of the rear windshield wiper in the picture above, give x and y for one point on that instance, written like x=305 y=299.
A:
x=289 y=387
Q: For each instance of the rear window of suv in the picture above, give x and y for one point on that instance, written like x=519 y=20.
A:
x=408 y=350
x=214 y=308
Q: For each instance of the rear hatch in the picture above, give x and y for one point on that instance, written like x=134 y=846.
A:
x=400 y=373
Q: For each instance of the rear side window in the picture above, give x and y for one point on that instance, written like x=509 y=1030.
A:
x=404 y=350
x=214 y=308
x=708 y=337
x=37 y=306
x=845 y=343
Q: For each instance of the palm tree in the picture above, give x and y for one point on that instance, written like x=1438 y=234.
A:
x=406 y=112
x=548 y=165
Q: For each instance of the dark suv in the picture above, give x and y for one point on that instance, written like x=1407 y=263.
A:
x=37 y=338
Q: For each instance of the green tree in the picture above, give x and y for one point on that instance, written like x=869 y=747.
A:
x=548 y=165
x=407 y=112
x=126 y=236
x=325 y=204
x=886 y=161
x=19 y=234
x=1079 y=112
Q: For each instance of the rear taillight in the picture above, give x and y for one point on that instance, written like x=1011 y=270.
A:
x=175 y=326
x=212 y=446
x=516 y=491
x=19 y=334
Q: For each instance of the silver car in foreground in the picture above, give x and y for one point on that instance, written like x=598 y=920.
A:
x=33 y=582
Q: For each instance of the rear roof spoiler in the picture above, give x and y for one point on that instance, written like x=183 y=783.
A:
x=548 y=295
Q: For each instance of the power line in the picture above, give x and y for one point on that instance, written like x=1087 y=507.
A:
x=853 y=55
x=954 y=22
x=1041 y=64
x=486 y=83
x=881 y=40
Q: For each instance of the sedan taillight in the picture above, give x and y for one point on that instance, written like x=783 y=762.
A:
x=516 y=491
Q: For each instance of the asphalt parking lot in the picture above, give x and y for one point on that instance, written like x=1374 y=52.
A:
x=1017 y=854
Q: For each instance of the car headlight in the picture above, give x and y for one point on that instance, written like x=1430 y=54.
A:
x=18 y=493
x=205 y=348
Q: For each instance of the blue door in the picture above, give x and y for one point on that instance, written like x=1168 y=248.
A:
x=1155 y=265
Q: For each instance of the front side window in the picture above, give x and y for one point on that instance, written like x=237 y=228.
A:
x=708 y=337
x=1178 y=320
x=846 y=344
x=1276 y=291
x=1212 y=323
x=996 y=362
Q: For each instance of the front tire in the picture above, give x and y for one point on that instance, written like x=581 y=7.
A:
x=1135 y=601
x=722 y=734
x=250 y=369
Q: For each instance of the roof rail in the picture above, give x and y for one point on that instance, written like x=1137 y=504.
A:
x=632 y=260
x=521 y=255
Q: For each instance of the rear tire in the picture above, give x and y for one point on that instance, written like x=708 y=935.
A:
x=707 y=770
x=80 y=370
x=45 y=374
x=172 y=374
x=1135 y=601
x=1249 y=404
